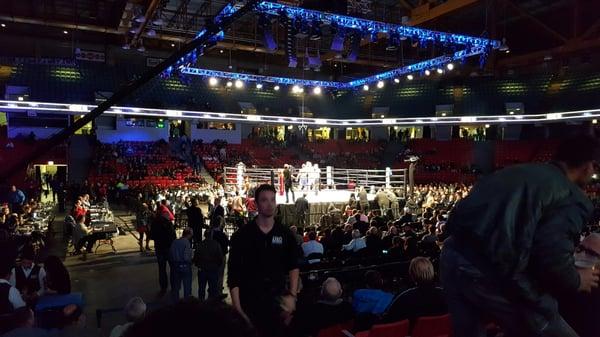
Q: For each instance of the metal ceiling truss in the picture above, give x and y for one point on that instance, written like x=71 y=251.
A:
x=466 y=45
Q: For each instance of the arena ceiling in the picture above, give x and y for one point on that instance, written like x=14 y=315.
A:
x=533 y=28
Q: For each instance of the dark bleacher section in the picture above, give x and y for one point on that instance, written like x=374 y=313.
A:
x=520 y=151
x=474 y=95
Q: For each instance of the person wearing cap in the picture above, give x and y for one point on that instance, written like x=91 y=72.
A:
x=511 y=245
x=28 y=277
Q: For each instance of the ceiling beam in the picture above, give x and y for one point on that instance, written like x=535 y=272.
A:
x=591 y=29
x=542 y=25
x=426 y=13
x=149 y=15
x=181 y=9
x=573 y=46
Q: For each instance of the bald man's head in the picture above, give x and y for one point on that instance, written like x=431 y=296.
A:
x=587 y=253
x=331 y=290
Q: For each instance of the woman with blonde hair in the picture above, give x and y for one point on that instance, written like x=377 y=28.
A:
x=425 y=299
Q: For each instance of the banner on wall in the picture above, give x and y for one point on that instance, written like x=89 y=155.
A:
x=153 y=61
x=89 y=55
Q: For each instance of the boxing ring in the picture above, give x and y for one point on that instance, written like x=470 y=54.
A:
x=325 y=186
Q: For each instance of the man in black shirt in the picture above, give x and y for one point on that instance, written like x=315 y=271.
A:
x=302 y=210
x=262 y=255
x=287 y=181
x=163 y=235
x=196 y=221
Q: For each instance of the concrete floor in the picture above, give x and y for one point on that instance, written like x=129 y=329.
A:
x=108 y=280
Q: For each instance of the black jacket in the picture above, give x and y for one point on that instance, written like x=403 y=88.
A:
x=162 y=233
x=519 y=226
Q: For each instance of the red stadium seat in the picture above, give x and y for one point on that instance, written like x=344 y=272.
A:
x=335 y=330
x=433 y=326
x=398 y=329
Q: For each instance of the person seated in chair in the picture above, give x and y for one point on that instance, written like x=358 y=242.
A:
x=329 y=310
x=425 y=299
x=371 y=300
x=82 y=235
x=28 y=277
x=312 y=248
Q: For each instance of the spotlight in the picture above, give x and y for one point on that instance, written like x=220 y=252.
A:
x=315 y=31
x=158 y=22
x=229 y=84
x=380 y=84
x=504 y=47
x=126 y=46
x=20 y=98
x=295 y=89
x=427 y=72
x=151 y=33
x=65 y=32
x=140 y=19
x=173 y=45
x=317 y=90
x=487 y=126
x=440 y=71
x=396 y=80
x=213 y=81
x=450 y=66
x=366 y=87
x=3 y=25
x=239 y=84
x=410 y=77
x=276 y=88
x=301 y=90
x=259 y=86
x=221 y=51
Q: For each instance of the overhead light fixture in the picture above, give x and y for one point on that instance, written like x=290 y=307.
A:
x=511 y=112
x=20 y=98
x=213 y=81
x=317 y=90
x=380 y=84
x=410 y=77
x=440 y=71
x=276 y=88
x=594 y=121
x=3 y=25
x=427 y=72
x=221 y=51
x=443 y=114
x=65 y=32
x=396 y=80
x=450 y=66
x=366 y=87
x=487 y=126
x=140 y=18
x=229 y=84
x=239 y=84
x=126 y=46
x=259 y=86
x=172 y=45
x=141 y=48
x=295 y=89
x=151 y=33
x=158 y=22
